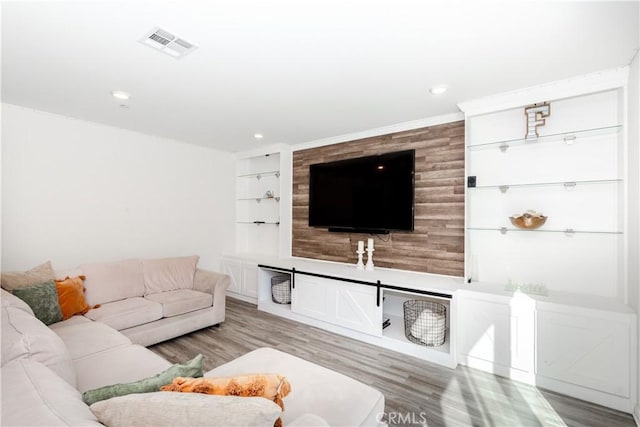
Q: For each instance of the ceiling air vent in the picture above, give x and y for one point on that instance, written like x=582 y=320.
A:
x=168 y=43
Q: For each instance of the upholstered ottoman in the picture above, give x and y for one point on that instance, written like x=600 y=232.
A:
x=315 y=391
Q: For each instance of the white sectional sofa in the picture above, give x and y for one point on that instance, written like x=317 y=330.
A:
x=154 y=300
x=45 y=369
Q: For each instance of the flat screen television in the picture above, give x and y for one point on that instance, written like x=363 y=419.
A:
x=372 y=194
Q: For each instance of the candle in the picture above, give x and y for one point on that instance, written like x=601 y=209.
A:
x=370 y=244
x=361 y=245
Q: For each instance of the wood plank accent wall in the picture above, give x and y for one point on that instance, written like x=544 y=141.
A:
x=437 y=243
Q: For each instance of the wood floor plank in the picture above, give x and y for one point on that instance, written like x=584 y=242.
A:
x=416 y=392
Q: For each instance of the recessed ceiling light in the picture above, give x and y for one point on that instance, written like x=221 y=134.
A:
x=120 y=94
x=258 y=135
x=438 y=90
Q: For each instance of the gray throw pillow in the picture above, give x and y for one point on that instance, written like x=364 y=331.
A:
x=192 y=368
x=43 y=300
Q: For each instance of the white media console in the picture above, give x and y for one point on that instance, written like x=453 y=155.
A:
x=354 y=303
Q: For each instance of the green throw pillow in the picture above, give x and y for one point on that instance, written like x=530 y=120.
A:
x=192 y=368
x=43 y=300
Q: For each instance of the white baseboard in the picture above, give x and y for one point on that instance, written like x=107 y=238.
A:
x=244 y=298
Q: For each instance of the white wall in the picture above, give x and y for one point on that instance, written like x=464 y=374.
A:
x=75 y=191
x=634 y=199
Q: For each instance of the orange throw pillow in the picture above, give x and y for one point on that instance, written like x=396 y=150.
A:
x=71 y=296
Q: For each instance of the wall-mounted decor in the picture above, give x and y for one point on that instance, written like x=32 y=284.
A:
x=536 y=115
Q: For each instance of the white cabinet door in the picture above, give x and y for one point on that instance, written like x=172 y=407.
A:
x=484 y=331
x=355 y=308
x=244 y=277
x=250 y=279
x=588 y=350
x=311 y=296
x=498 y=335
x=334 y=301
x=233 y=268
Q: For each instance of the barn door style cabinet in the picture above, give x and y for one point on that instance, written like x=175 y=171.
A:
x=548 y=305
x=341 y=299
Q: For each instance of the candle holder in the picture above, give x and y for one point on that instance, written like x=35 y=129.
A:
x=360 y=264
x=369 y=265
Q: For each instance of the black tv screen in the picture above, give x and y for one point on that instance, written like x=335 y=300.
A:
x=371 y=194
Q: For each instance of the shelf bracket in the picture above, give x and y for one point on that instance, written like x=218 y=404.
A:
x=569 y=139
x=277 y=174
x=258 y=199
x=503 y=230
x=503 y=147
x=569 y=232
x=503 y=188
x=258 y=177
x=569 y=186
x=277 y=199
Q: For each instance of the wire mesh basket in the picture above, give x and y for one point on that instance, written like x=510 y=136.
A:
x=281 y=289
x=425 y=322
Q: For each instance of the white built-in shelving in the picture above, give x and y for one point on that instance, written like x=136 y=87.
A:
x=548 y=305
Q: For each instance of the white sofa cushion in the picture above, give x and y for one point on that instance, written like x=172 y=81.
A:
x=113 y=281
x=126 y=313
x=169 y=409
x=33 y=395
x=168 y=274
x=336 y=404
x=119 y=365
x=25 y=337
x=181 y=301
x=83 y=338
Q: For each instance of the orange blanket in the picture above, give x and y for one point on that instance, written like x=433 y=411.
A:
x=270 y=386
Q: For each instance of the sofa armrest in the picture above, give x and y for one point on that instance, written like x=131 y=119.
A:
x=210 y=282
x=216 y=284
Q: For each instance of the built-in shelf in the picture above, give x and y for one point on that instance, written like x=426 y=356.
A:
x=568 y=231
x=568 y=185
x=564 y=137
x=258 y=199
x=259 y=222
x=260 y=175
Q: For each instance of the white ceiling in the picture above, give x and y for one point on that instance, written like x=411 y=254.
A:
x=296 y=71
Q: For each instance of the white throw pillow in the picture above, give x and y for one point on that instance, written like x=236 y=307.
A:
x=431 y=335
x=171 y=409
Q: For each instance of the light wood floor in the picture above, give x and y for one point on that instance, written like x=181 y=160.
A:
x=416 y=392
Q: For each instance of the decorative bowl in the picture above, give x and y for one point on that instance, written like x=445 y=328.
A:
x=530 y=220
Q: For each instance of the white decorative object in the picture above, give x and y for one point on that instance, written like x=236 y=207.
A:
x=536 y=114
x=360 y=252
x=432 y=335
x=369 y=254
